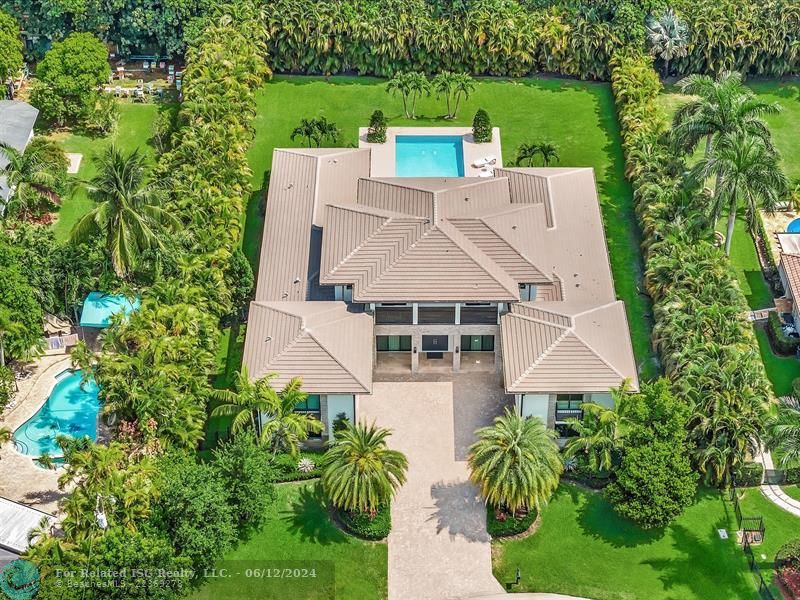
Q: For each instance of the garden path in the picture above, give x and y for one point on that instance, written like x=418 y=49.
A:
x=774 y=493
x=438 y=547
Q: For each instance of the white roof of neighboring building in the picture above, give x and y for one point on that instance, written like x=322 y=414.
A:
x=16 y=125
x=16 y=521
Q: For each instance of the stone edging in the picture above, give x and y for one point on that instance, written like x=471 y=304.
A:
x=57 y=365
x=534 y=527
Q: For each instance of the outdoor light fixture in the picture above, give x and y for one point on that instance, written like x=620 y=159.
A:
x=415 y=349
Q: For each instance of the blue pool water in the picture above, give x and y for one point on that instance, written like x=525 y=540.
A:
x=71 y=409
x=429 y=156
x=794 y=226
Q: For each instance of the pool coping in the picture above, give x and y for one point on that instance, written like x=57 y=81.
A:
x=382 y=156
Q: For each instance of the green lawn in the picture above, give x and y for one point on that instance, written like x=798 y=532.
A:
x=780 y=526
x=300 y=535
x=781 y=370
x=794 y=492
x=578 y=117
x=133 y=131
x=584 y=548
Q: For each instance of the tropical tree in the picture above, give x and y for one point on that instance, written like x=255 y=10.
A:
x=10 y=47
x=526 y=153
x=307 y=130
x=515 y=462
x=325 y=130
x=443 y=85
x=6 y=435
x=418 y=86
x=718 y=106
x=599 y=432
x=8 y=326
x=668 y=37
x=463 y=86
x=360 y=473
x=255 y=404
x=129 y=210
x=783 y=430
x=401 y=84
x=549 y=153
x=33 y=178
x=748 y=173
x=454 y=87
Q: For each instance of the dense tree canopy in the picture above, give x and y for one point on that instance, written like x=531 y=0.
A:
x=10 y=47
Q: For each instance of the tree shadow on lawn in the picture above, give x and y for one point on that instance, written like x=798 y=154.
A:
x=597 y=519
x=703 y=563
x=309 y=518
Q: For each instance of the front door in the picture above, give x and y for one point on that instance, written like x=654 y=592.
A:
x=435 y=344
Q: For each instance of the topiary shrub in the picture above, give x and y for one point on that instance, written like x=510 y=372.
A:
x=361 y=525
x=481 y=127
x=499 y=523
x=377 y=128
x=749 y=474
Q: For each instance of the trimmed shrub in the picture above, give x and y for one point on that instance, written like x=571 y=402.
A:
x=377 y=128
x=285 y=466
x=481 y=127
x=578 y=470
x=781 y=343
x=749 y=474
x=501 y=524
x=361 y=525
x=791 y=475
x=789 y=553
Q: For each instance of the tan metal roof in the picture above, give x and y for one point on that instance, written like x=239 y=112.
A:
x=329 y=347
x=302 y=182
x=790 y=263
x=560 y=348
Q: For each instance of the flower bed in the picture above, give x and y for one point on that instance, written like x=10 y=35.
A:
x=500 y=523
x=296 y=468
x=363 y=526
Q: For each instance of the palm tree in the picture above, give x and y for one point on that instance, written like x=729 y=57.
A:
x=783 y=430
x=443 y=86
x=668 y=36
x=359 y=471
x=723 y=105
x=30 y=177
x=515 y=462
x=748 y=173
x=323 y=129
x=6 y=435
x=401 y=84
x=527 y=152
x=46 y=461
x=419 y=86
x=8 y=326
x=282 y=429
x=463 y=86
x=307 y=130
x=128 y=212
x=599 y=434
x=549 y=153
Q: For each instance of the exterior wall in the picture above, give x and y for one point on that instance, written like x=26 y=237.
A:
x=528 y=405
x=331 y=405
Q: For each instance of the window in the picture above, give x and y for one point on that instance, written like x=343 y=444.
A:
x=569 y=406
x=393 y=343
x=527 y=292
x=343 y=292
x=310 y=407
x=477 y=343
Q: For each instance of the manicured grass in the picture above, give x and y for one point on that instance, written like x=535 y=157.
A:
x=133 y=131
x=299 y=535
x=780 y=527
x=794 y=492
x=744 y=259
x=578 y=117
x=584 y=548
x=781 y=370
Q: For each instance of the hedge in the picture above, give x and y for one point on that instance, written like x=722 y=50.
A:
x=791 y=475
x=285 y=466
x=788 y=553
x=749 y=474
x=361 y=525
x=504 y=527
x=781 y=343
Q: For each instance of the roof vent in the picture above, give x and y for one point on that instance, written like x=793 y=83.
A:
x=296 y=280
x=269 y=339
x=290 y=186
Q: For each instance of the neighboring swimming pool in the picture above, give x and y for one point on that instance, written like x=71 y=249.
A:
x=794 y=226
x=429 y=156
x=71 y=409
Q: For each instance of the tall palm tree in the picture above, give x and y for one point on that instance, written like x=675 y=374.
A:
x=324 y=130
x=515 y=462
x=419 y=86
x=443 y=85
x=401 y=84
x=599 y=436
x=245 y=403
x=359 y=471
x=306 y=130
x=30 y=176
x=549 y=153
x=129 y=210
x=720 y=106
x=668 y=37
x=463 y=86
x=783 y=430
x=6 y=435
x=526 y=153
x=748 y=173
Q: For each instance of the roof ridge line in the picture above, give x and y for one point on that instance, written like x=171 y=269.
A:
x=363 y=242
x=515 y=249
x=592 y=350
x=399 y=256
x=544 y=354
x=336 y=360
x=593 y=308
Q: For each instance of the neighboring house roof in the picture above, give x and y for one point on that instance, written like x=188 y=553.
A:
x=16 y=521
x=560 y=348
x=789 y=242
x=469 y=239
x=302 y=182
x=16 y=124
x=322 y=342
x=791 y=268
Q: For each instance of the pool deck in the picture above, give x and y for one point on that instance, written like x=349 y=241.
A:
x=20 y=479
x=382 y=156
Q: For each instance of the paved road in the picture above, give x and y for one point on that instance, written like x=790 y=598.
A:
x=438 y=547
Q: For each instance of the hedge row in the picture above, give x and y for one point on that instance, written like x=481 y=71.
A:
x=782 y=343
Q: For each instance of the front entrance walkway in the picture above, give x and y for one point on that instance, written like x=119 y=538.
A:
x=438 y=547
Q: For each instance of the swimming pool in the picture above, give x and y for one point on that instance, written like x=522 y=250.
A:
x=794 y=226
x=71 y=409
x=429 y=156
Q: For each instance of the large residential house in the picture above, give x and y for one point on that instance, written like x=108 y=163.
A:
x=16 y=131
x=367 y=277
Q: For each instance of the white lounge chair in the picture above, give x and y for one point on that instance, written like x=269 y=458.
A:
x=486 y=174
x=485 y=161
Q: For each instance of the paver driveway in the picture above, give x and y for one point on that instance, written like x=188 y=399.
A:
x=438 y=547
